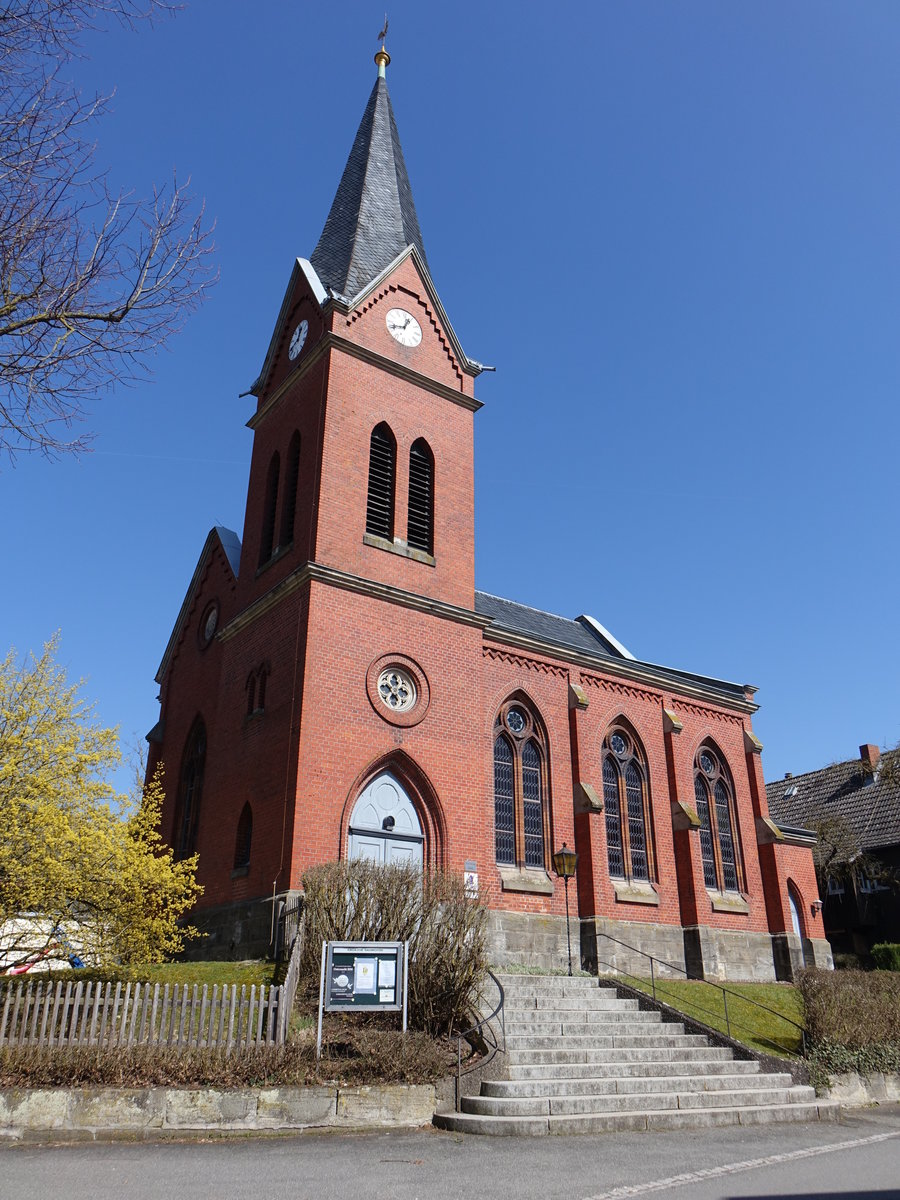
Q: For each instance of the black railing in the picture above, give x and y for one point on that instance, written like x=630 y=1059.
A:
x=658 y=989
x=494 y=1046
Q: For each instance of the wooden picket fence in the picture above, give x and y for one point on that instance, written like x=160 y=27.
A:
x=145 y=1014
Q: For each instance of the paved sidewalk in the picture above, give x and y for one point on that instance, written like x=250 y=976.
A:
x=856 y=1158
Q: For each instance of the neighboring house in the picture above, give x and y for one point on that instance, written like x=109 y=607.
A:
x=860 y=908
x=335 y=686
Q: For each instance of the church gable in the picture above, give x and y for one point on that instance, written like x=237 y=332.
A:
x=297 y=331
x=400 y=320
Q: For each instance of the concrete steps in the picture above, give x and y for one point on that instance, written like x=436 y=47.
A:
x=580 y=1060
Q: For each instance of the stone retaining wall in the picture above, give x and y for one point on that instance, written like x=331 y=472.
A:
x=852 y=1089
x=75 y=1113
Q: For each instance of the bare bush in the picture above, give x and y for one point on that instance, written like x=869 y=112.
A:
x=853 y=1009
x=360 y=901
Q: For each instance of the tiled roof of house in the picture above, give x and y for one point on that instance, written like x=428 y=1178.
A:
x=870 y=802
x=373 y=217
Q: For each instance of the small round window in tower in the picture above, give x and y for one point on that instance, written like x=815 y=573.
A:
x=208 y=624
x=396 y=690
x=516 y=720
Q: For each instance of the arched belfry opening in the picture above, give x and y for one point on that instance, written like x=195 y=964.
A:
x=384 y=824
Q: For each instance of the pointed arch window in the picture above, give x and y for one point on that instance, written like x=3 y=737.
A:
x=244 y=839
x=714 y=797
x=520 y=788
x=267 y=533
x=626 y=803
x=289 y=503
x=190 y=788
x=382 y=473
x=420 y=519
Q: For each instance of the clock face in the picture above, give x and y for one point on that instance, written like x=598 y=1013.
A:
x=403 y=327
x=298 y=338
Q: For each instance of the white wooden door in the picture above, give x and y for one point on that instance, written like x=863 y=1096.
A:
x=384 y=826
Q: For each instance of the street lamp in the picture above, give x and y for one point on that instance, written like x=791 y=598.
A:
x=564 y=863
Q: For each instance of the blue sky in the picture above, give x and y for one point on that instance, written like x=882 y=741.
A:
x=673 y=228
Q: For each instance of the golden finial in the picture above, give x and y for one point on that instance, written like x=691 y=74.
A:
x=382 y=58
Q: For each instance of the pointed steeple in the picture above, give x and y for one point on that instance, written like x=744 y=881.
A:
x=373 y=217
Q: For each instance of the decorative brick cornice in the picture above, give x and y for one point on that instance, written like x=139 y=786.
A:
x=621 y=689
x=519 y=660
x=715 y=714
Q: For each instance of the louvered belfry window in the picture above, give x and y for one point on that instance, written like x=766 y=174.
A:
x=420 y=522
x=714 y=797
x=520 y=788
x=289 y=503
x=267 y=534
x=382 y=471
x=626 y=803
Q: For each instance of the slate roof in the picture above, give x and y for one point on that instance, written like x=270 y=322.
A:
x=568 y=634
x=870 y=804
x=373 y=217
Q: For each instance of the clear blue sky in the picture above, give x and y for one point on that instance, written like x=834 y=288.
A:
x=675 y=230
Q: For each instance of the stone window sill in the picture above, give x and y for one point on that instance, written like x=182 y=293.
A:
x=628 y=891
x=398 y=546
x=730 y=902
x=240 y=872
x=528 y=879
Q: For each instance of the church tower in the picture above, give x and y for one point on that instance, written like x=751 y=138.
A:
x=363 y=441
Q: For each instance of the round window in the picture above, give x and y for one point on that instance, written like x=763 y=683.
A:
x=516 y=720
x=396 y=690
x=618 y=745
x=707 y=764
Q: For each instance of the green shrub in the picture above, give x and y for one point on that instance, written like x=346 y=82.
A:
x=360 y=901
x=851 y=1009
x=886 y=956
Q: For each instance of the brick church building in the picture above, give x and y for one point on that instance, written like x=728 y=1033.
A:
x=336 y=686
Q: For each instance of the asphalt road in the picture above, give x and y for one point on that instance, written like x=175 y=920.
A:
x=856 y=1159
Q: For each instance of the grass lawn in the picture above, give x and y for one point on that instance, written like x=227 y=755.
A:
x=174 y=972
x=753 y=1026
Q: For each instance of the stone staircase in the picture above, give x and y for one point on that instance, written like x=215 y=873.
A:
x=580 y=1060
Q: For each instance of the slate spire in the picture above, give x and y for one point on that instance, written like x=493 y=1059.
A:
x=373 y=217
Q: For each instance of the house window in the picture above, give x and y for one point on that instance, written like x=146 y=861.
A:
x=190 y=787
x=267 y=534
x=289 y=503
x=244 y=838
x=835 y=886
x=420 y=519
x=626 y=803
x=382 y=471
x=520 y=788
x=714 y=797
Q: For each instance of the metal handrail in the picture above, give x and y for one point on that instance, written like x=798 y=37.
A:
x=498 y=1011
x=726 y=992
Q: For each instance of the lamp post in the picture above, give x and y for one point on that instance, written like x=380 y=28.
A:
x=564 y=863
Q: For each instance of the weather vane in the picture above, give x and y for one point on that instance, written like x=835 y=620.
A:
x=383 y=33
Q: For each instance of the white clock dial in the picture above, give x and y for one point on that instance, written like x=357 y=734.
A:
x=298 y=339
x=403 y=327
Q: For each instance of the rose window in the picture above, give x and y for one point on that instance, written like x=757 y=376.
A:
x=396 y=689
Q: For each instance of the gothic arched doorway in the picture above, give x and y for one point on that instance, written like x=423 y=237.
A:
x=384 y=825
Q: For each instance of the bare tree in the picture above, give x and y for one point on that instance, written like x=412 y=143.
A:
x=91 y=282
